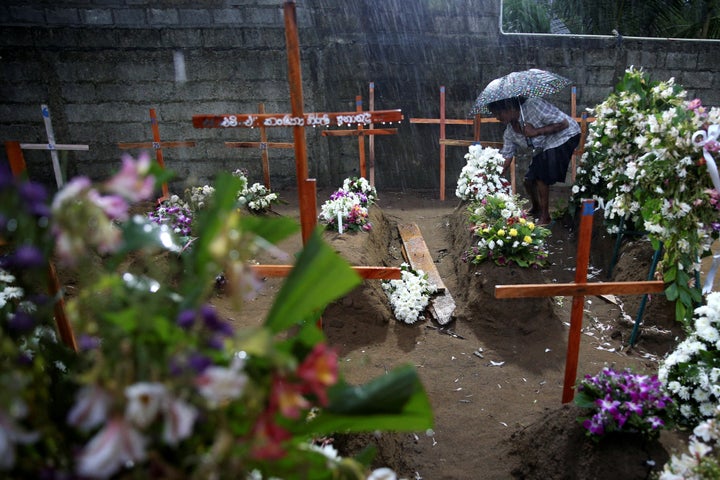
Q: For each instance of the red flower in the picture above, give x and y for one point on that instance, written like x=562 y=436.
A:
x=268 y=438
x=319 y=371
x=287 y=398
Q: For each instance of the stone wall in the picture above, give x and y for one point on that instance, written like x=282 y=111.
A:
x=100 y=65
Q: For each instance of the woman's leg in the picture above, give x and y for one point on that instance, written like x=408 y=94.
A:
x=543 y=193
x=532 y=192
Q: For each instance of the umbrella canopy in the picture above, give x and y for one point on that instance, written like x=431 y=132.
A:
x=525 y=83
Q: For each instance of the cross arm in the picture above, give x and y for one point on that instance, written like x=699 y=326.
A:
x=367 y=273
x=240 y=120
x=128 y=145
x=578 y=289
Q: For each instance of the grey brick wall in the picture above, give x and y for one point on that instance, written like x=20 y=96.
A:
x=102 y=64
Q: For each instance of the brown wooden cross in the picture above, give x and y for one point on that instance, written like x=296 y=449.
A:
x=443 y=121
x=158 y=146
x=578 y=290
x=361 y=133
x=263 y=145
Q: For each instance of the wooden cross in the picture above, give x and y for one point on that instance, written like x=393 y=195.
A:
x=578 y=290
x=65 y=331
x=360 y=132
x=158 y=146
x=299 y=120
x=51 y=145
x=443 y=121
x=263 y=145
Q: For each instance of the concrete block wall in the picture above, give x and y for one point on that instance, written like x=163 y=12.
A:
x=101 y=65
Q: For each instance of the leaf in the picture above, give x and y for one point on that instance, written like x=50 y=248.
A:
x=270 y=229
x=319 y=277
x=396 y=401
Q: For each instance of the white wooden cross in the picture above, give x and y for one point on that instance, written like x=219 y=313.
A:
x=52 y=146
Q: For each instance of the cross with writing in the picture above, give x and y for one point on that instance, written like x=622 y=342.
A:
x=298 y=121
x=360 y=132
x=263 y=145
x=51 y=145
x=578 y=290
x=157 y=145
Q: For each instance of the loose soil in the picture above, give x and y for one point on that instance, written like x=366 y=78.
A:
x=497 y=415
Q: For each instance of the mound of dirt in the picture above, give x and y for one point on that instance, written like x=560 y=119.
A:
x=557 y=448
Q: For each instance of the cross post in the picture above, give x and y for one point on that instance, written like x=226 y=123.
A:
x=263 y=145
x=157 y=145
x=360 y=132
x=578 y=290
x=65 y=330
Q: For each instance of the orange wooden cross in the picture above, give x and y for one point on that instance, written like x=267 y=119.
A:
x=158 y=146
x=18 y=168
x=299 y=120
x=361 y=133
x=578 y=290
x=263 y=145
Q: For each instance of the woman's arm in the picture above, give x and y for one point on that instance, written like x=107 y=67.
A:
x=549 y=129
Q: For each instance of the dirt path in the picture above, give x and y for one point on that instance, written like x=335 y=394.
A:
x=490 y=412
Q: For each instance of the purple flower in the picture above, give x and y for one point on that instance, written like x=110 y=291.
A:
x=24 y=257
x=595 y=425
x=186 y=319
x=21 y=322
x=608 y=405
x=655 y=422
x=199 y=362
x=88 y=342
x=34 y=197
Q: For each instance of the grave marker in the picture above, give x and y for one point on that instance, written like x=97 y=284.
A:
x=157 y=145
x=263 y=145
x=360 y=132
x=52 y=146
x=578 y=290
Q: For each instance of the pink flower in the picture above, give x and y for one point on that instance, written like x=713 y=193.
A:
x=132 y=182
x=90 y=409
x=114 y=206
x=115 y=446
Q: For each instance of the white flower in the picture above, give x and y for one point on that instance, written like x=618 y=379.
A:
x=410 y=295
x=179 y=420
x=145 y=401
x=219 y=385
x=112 y=448
x=10 y=435
x=91 y=408
x=382 y=474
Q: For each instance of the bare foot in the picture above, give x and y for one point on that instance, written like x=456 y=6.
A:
x=543 y=221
